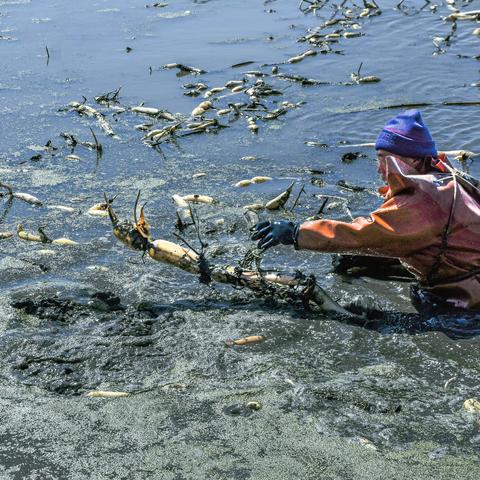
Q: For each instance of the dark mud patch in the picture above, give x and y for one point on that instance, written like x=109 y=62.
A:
x=54 y=309
x=188 y=412
x=67 y=346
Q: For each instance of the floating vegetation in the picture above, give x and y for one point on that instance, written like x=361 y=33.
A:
x=62 y=208
x=254 y=405
x=301 y=56
x=365 y=442
x=63 y=241
x=72 y=157
x=83 y=109
x=201 y=108
x=351 y=156
x=31 y=237
x=202 y=127
x=349 y=186
x=108 y=98
x=25 y=197
x=196 y=198
x=243 y=183
x=253 y=180
x=157 y=5
x=246 y=340
x=473 y=15
x=242 y=64
x=100 y=209
x=157 y=136
x=254 y=207
x=252 y=124
x=311 y=143
x=352 y=34
x=184 y=69
x=472 y=405
x=106 y=394
x=300 y=79
x=42 y=237
x=357 y=78
x=6 y=38
x=154 y=112
x=280 y=200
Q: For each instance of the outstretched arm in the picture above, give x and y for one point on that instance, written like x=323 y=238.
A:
x=396 y=229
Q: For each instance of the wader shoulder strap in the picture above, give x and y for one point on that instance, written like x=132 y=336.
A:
x=455 y=278
x=446 y=231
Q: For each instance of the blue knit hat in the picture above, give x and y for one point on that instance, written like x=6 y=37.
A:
x=407 y=136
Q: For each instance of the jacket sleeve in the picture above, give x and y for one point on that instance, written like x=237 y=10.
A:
x=400 y=227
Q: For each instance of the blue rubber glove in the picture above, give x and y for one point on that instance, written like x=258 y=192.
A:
x=273 y=233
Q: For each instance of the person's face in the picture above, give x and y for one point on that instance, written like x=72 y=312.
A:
x=381 y=165
x=411 y=166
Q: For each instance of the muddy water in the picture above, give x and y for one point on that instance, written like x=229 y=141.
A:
x=338 y=400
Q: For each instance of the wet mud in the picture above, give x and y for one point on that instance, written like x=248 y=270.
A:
x=322 y=396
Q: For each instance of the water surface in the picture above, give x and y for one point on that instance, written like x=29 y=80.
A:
x=325 y=385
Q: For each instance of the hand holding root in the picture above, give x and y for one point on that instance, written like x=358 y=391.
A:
x=294 y=287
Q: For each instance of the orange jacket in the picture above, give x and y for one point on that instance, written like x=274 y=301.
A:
x=410 y=226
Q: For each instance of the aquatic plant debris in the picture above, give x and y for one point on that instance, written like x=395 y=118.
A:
x=83 y=109
x=184 y=68
x=246 y=340
x=472 y=405
x=106 y=394
x=26 y=197
x=280 y=200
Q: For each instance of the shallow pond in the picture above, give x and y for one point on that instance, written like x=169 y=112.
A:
x=339 y=400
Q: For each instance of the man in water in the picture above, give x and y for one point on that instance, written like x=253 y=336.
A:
x=429 y=220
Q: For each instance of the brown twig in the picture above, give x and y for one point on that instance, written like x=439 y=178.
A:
x=302 y=190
